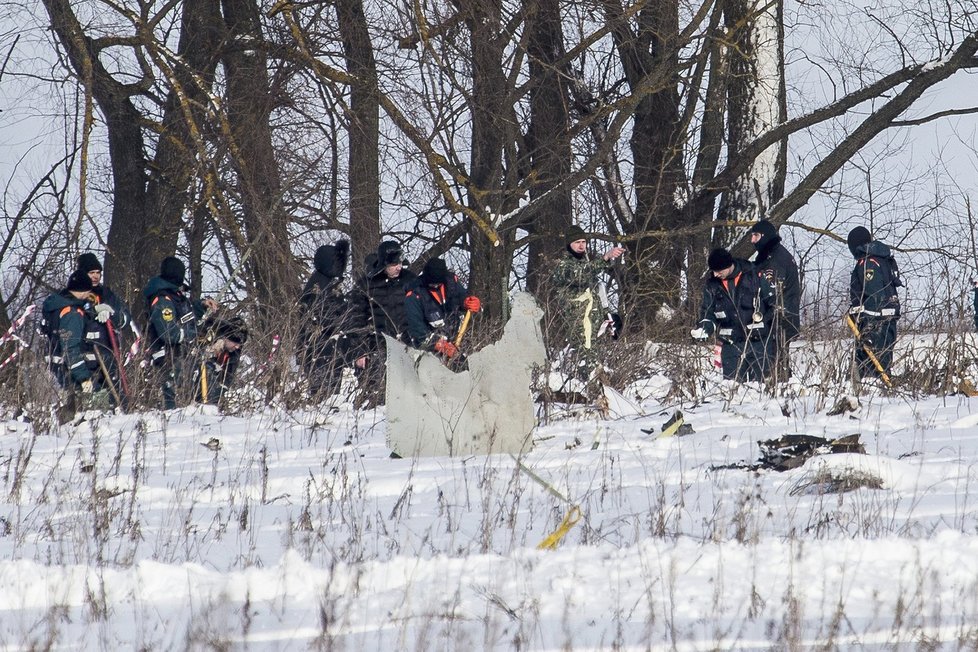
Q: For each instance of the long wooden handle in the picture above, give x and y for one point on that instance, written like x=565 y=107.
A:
x=464 y=327
x=869 y=352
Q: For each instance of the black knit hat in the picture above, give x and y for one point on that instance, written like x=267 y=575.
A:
x=435 y=272
x=79 y=282
x=389 y=253
x=574 y=233
x=765 y=228
x=173 y=270
x=857 y=238
x=88 y=262
x=232 y=328
x=719 y=259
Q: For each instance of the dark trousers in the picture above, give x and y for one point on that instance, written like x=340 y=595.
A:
x=880 y=336
x=169 y=375
x=323 y=363
x=750 y=360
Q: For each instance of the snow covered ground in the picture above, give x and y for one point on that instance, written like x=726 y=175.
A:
x=291 y=531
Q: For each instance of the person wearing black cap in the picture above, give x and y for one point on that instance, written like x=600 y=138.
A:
x=434 y=308
x=108 y=305
x=173 y=318
x=377 y=309
x=777 y=265
x=112 y=312
x=324 y=347
x=578 y=285
x=738 y=307
x=221 y=354
x=873 y=300
x=68 y=319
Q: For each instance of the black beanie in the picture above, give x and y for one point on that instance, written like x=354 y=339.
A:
x=389 y=253
x=574 y=234
x=232 y=328
x=173 y=270
x=88 y=262
x=79 y=282
x=435 y=272
x=765 y=228
x=857 y=238
x=719 y=259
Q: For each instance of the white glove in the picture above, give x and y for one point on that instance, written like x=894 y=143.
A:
x=699 y=334
x=87 y=387
x=103 y=312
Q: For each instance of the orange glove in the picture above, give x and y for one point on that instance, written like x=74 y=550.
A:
x=446 y=348
x=472 y=304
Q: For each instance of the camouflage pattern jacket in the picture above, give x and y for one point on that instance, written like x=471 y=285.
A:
x=576 y=282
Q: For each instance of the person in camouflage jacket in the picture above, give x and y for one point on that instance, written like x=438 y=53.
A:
x=576 y=280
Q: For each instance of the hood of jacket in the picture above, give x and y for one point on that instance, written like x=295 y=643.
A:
x=156 y=285
x=330 y=260
x=768 y=241
x=57 y=302
x=876 y=249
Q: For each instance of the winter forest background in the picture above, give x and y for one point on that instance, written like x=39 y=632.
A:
x=243 y=130
x=242 y=134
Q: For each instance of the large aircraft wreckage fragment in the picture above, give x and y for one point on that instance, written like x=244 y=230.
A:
x=488 y=409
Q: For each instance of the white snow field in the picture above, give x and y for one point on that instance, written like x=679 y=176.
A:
x=294 y=531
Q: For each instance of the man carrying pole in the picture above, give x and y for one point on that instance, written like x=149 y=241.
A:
x=874 y=303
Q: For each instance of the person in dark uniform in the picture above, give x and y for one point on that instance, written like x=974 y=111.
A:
x=114 y=315
x=738 y=307
x=873 y=300
x=777 y=265
x=221 y=354
x=324 y=345
x=173 y=319
x=376 y=309
x=435 y=307
x=69 y=321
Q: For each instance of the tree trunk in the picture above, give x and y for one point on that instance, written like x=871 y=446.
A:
x=126 y=151
x=249 y=104
x=547 y=139
x=364 y=130
x=490 y=264
x=656 y=266
x=179 y=159
x=756 y=103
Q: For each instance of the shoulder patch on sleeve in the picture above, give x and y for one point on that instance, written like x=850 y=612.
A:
x=167 y=314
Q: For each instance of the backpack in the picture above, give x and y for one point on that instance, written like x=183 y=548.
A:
x=47 y=323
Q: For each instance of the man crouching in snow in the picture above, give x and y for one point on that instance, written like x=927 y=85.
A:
x=434 y=308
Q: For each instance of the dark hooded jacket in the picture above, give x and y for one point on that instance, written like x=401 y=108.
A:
x=434 y=311
x=73 y=337
x=322 y=299
x=173 y=317
x=325 y=307
x=776 y=264
x=874 y=282
x=731 y=307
